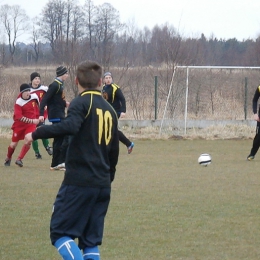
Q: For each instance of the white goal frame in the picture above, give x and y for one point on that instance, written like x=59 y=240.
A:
x=187 y=87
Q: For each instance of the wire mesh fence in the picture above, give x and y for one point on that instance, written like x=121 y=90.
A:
x=182 y=94
x=210 y=93
x=213 y=93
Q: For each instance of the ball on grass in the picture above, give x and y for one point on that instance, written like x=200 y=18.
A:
x=204 y=159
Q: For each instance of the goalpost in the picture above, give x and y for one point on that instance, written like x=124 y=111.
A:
x=225 y=87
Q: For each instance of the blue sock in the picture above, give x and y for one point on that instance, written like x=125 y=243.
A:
x=68 y=249
x=91 y=253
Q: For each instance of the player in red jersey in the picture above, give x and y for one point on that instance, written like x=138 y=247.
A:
x=26 y=111
x=40 y=90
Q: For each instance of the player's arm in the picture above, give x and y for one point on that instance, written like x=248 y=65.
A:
x=29 y=120
x=18 y=116
x=69 y=126
x=121 y=98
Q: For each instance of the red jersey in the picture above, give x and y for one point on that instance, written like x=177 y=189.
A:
x=40 y=92
x=25 y=108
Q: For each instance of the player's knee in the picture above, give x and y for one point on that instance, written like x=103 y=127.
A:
x=13 y=145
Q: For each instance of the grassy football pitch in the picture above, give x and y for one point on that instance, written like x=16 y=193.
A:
x=164 y=205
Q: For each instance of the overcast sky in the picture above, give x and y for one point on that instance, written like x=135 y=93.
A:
x=224 y=19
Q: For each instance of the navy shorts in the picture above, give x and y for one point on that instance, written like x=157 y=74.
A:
x=79 y=212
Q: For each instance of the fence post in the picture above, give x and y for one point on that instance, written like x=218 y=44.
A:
x=155 y=96
x=245 y=104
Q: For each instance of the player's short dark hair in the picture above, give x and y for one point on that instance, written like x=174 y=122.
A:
x=88 y=74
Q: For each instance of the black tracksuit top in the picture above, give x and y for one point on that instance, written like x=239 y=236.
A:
x=54 y=99
x=113 y=94
x=93 y=148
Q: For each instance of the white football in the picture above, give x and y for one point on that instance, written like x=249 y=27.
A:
x=204 y=159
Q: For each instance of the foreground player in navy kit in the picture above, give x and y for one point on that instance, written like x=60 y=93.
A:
x=83 y=198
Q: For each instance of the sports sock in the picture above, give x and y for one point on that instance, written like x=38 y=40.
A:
x=24 y=151
x=91 y=253
x=45 y=143
x=35 y=146
x=10 y=152
x=68 y=249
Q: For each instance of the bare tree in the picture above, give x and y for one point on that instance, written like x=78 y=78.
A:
x=90 y=12
x=128 y=53
x=75 y=53
x=144 y=40
x=53 y=17
x=15 y=23
x=3 y=51
x=62 y=25
x=77 y=24
x=108 y=25
x=36 y=39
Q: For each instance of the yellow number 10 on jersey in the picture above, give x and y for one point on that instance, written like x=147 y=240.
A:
x=104 y=126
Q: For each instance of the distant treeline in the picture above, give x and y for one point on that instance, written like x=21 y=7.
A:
x=66 y=32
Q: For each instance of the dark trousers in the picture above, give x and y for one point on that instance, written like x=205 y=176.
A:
x=63 y=148
x=56 y=146
x=59 y=146
x=79 y=212
x=256 y=141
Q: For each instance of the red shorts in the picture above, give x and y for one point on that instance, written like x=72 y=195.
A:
x=20 y=132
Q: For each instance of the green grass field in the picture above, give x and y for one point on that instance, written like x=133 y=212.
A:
x=164 y=205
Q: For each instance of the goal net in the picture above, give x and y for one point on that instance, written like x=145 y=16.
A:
x=199 y=96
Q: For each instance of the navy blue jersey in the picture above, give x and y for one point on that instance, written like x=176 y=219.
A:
x=93 y=148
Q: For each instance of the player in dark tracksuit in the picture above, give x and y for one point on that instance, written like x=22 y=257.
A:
x=256 y=111
x=82 y=201
x=54 y=99
x=113 y=94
